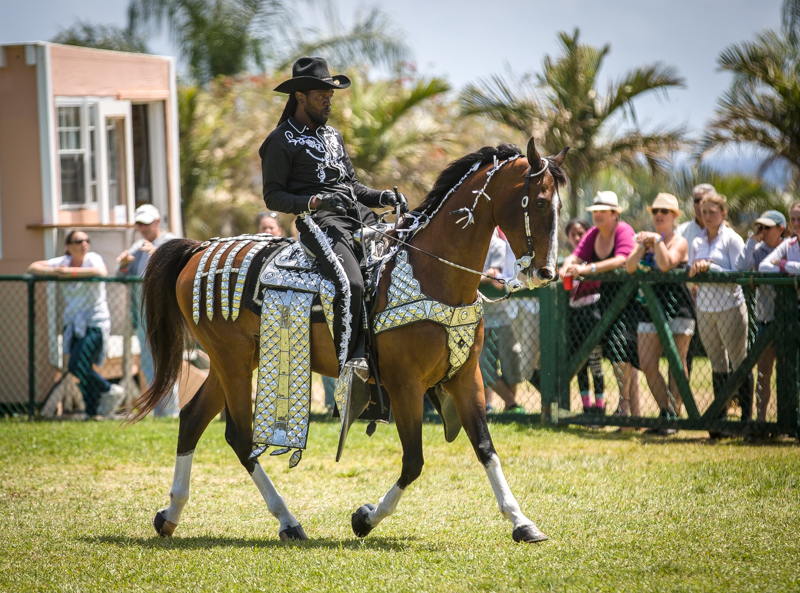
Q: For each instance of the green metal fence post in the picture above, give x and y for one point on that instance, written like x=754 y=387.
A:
x=31 y=349
x=561 y=338
x=786 y=354
x=548 y=344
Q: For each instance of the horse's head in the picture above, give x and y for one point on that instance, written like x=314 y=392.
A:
x=529 y=217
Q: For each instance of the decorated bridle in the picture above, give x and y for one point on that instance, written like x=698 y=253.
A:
x=525 y=261
x=422 y=220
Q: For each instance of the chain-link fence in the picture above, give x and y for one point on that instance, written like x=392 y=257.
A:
x=655 y=351
x=33 y=365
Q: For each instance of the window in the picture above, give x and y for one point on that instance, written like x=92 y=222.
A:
x=77 y=154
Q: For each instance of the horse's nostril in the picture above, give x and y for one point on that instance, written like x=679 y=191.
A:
x=546 y=274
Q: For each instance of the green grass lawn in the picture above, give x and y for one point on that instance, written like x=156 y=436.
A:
x=624 y=513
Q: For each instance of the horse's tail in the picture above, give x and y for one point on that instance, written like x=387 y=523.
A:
x=167 y=331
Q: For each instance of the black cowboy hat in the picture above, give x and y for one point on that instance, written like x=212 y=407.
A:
x=310 y=74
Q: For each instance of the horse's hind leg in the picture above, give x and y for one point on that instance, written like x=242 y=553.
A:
x=239 y=435
x=468 y=395
x=194 y=419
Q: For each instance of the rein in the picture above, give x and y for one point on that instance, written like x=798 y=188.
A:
x=520 y=264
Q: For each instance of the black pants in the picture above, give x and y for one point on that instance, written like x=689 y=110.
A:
x=339 y=232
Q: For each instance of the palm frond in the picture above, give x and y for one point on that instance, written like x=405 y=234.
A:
x=656 y=78
x=497 y=99
x=373 y=40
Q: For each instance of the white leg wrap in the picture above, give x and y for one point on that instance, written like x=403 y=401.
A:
x=509 y=506
x=179 y=493
x=275 y=503
x=386 y=505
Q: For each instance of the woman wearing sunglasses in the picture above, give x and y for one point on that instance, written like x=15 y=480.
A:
x=662 y=251
x=87 y=321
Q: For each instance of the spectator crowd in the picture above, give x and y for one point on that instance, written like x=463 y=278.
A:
x=709 y=315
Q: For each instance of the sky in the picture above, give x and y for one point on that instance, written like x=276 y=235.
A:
x=466 y=40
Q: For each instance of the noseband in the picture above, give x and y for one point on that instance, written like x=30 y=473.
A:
x=525 y=261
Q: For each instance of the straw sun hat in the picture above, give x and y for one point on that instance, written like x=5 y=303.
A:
x=605 y=200
x=666 y=201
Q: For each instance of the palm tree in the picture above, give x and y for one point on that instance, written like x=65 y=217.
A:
x=216 y=37
x=388 y=126
x=762 y=106
x=373 y=40
x=562 y=107
x=228 y=37
x=85 y=34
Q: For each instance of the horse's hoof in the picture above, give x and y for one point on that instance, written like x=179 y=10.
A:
x=295 y=532
x=529 y=534
x=163 y=527
x=360 y=520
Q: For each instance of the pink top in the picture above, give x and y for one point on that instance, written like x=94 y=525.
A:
x=624 y=242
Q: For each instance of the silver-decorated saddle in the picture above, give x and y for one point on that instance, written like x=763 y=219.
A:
x=280 y=282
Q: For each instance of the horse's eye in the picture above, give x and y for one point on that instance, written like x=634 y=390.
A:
x=541 y=203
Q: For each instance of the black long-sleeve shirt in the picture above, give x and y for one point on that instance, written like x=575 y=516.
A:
x=297 y=163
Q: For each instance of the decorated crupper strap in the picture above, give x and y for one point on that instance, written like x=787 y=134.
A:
x=408 y=304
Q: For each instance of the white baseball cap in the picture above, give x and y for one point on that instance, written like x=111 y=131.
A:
x=146 y=214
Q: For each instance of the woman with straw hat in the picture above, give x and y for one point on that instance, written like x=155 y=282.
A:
x=663 y=250
x=605 y=247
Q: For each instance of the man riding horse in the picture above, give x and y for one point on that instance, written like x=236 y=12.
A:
x=306 y=171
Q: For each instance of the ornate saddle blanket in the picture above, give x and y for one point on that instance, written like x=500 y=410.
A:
x=278 y=281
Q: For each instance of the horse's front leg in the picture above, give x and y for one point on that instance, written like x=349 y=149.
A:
x=467 y=390
x=408 y=420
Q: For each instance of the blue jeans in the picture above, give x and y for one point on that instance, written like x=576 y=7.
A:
x=82 y=353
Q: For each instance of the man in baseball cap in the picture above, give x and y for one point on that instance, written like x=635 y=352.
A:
x=133 y=263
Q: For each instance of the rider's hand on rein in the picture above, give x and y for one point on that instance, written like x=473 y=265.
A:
x=332 y=202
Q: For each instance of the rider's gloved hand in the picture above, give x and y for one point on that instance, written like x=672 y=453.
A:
x=333 y=202
x=388 y=198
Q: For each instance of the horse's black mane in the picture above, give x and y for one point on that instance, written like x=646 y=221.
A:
x=457 y=169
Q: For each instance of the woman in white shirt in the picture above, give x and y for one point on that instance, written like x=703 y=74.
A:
x=784 y=258
x=87 y=321
x=721 y=309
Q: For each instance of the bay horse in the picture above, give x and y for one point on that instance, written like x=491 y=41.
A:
x=491 y=187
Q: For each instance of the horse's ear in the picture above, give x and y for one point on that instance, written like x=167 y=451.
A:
x=534 y=159
x=559 y=158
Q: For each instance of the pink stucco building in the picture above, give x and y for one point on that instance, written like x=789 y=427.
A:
x=86 y=136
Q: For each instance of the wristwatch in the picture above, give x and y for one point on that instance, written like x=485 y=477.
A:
x=593 y=268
